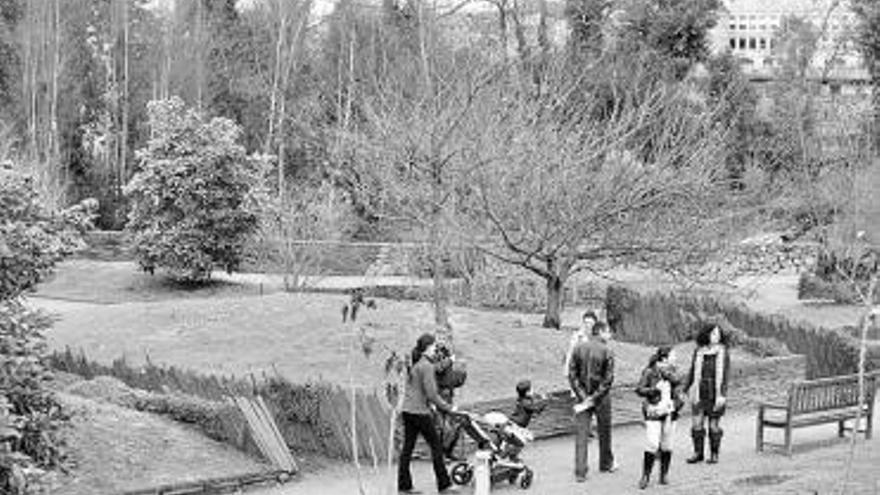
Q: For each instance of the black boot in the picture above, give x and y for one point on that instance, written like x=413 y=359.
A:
x=665 y=460
x=699 y=438
x=714 y=445
x=647 y=466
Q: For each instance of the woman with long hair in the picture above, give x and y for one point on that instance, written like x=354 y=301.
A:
x=707 y=383
x=659 y=388
x=419 y=396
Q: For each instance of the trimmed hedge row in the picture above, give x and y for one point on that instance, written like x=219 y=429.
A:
x=664 y=318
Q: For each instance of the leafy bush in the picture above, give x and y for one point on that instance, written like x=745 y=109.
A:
x=32 y=240
x=192 y=201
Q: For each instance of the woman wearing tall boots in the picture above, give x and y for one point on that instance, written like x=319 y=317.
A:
x=659 y=388
x=707 y=383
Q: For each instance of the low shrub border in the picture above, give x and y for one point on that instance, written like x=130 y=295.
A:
x=306 y=414
x=662 y=318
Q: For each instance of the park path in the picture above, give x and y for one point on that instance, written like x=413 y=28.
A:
x=818 y=466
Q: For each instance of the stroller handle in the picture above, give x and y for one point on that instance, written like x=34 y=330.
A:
x=462 y=414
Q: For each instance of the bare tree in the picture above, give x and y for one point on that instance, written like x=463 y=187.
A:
x=41 y=39
x=558 y=191
x=295 y=230
x=292 y=18
x=408 y=144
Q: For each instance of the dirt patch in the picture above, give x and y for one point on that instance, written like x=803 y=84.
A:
x=116 y=449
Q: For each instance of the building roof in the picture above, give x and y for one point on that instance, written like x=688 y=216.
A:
x=768 y=7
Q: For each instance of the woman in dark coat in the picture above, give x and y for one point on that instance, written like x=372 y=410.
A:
x=419 y=396
x=707 y=383
x=659 y=387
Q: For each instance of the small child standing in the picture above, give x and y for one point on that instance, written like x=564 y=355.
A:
x=527 y=405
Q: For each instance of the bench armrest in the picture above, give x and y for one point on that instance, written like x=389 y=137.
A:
x=771 y=405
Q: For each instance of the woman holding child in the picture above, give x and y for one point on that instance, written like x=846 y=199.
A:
x=659 y=387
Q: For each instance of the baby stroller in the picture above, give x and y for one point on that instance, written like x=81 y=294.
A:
x=495 y=433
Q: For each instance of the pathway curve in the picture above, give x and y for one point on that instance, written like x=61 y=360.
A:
x=818 y=466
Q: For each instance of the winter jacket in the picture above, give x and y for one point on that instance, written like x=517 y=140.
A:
x=421 y=389
x=526 y=407
x=708 y=377
x=591 y=371
x=650 y=389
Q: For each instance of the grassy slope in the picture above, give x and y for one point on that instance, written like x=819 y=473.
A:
x=139 y=450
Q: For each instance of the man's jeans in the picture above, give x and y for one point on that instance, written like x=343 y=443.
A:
x=582 y=423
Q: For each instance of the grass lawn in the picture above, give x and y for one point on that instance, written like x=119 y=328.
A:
x=778 y=295
x=114 y=282
x=302 y=337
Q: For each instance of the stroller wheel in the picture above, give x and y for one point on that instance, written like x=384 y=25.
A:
x=525 y=478
x=462 y=473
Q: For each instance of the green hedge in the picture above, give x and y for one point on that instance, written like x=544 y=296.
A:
x=661 y=318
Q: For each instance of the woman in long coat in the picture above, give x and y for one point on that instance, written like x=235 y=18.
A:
x=707 y=383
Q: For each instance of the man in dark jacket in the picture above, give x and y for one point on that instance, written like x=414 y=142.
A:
x=590 y=374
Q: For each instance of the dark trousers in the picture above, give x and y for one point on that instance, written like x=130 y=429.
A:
x=582 y=424
x=414 y=425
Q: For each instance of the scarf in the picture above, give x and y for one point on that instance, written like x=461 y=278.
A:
x=698 y=370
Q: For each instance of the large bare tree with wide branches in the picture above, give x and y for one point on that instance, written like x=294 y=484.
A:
x=599 y=166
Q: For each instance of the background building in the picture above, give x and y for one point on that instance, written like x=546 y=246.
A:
x=751 y=30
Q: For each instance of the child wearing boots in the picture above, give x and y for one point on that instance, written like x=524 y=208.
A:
x=707 y=382
x=659 y=388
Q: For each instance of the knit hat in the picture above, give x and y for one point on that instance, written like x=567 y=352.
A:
x=523 y=387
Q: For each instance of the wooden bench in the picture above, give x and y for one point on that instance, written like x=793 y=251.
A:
x=812 y=402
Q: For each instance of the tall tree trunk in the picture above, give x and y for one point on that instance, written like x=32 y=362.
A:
x=440 y=295
x=56 y=68
x=167 y=48
x=276 y=75
x=200 y=55
x=875 y=97
x=502 y=27
x=543 y=45
x=123 y=169
x=519 y=32
x=556 y=276
x=553 y=312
